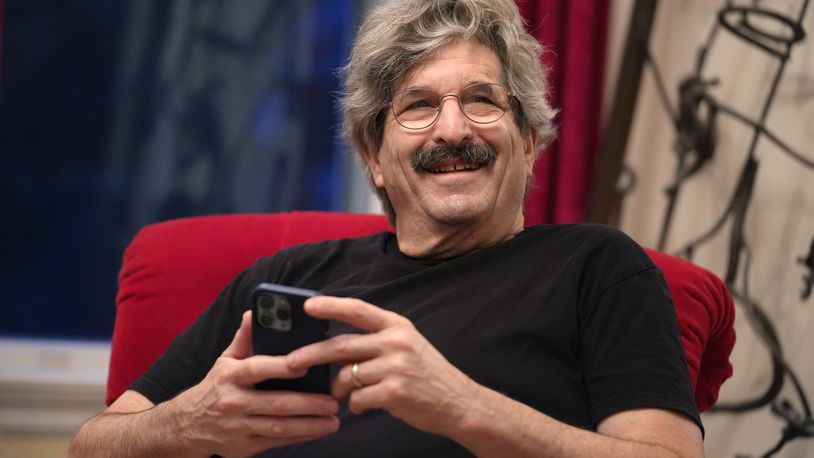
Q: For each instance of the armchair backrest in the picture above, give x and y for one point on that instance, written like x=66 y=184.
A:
x=173 y=270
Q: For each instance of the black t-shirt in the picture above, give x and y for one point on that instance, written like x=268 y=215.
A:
x=573 y=320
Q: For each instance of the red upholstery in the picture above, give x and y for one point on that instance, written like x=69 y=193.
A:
x=173 y=270
x=706 y=315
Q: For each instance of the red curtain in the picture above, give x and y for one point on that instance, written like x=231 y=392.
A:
x=574 y=35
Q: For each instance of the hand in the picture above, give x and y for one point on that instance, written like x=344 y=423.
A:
x=401 y=371
x=226 y=415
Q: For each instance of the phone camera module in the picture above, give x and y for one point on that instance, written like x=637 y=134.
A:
x=283 y=314
x=266 y=320
x=265 y=302
x=274 y=312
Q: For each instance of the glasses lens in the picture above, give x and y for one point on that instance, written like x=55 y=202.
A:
x=484 y=103
x=416 y=108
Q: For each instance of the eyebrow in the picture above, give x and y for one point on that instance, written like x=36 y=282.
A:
x=426 y=88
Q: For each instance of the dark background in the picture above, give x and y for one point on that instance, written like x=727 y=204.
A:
x=114 y=115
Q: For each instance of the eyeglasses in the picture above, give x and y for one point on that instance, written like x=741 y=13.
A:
x=481 y=103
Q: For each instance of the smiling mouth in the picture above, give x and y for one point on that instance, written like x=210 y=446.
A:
x=454 y=168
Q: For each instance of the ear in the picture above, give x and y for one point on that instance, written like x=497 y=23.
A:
x=371 y=158
x=531 y=154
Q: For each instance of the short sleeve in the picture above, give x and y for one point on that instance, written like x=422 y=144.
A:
x=630 y=346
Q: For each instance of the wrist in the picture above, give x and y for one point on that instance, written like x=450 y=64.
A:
x=481 y=412
x=496 y=426
x=177 y=416
x=471 y=412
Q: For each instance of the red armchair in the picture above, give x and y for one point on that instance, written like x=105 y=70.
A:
x=173 y=270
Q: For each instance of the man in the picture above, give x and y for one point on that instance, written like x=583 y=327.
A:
x=465 y=333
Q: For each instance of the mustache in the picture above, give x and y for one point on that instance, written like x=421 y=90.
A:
x=479 y=154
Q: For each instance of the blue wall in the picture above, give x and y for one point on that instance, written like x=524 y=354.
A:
x=114 y=115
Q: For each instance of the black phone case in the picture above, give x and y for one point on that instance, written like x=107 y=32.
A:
x=304 y=330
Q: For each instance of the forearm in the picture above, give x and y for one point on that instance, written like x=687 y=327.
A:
x=496 y=426
x=152 y=432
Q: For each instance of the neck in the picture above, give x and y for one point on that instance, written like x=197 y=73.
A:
x=432 y=240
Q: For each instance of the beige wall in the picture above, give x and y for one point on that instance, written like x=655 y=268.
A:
x=780 y=222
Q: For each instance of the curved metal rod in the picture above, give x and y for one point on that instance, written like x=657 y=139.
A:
x=765 y=331
x=760 y=38
x=804 y=161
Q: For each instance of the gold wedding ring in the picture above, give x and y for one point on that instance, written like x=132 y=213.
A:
x=354 y=376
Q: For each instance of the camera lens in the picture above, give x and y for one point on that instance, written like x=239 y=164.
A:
x=283 y=314
x=267 y=320
x=265 y=302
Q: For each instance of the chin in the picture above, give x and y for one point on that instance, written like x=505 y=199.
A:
x=459 y=211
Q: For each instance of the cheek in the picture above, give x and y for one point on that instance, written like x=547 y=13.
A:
x=521 y=151
x=519 y=165
x=400 y=150
x=391 y=164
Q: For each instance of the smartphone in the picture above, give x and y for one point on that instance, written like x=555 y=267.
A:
x=279 y=326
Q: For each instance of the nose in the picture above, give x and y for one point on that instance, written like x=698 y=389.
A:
x=452 y=127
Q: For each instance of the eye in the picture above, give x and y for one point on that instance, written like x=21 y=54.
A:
x=417 y=104
x=479 y=94
x=480 y=99
x=417 y=100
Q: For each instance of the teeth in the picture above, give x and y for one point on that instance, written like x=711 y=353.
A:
x=455 y=168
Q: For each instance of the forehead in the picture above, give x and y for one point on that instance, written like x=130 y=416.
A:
x=454 y=65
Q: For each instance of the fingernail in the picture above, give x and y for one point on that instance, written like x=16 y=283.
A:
x=309 y=304
x=335 y=425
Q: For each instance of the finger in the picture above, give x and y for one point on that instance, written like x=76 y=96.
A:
x=258 y=368
x=368 y=398
x=241 y=346
x=292 y=427
x=291 y=403
x=341 y=349
x=267 y=443
x=352 y=311
x=369 y=373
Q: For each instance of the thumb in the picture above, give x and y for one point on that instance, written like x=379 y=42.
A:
x=241 y=346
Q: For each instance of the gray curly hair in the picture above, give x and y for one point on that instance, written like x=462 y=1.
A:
x=399 y=34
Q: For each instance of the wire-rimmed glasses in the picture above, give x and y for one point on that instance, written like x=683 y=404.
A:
x=481 y=103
